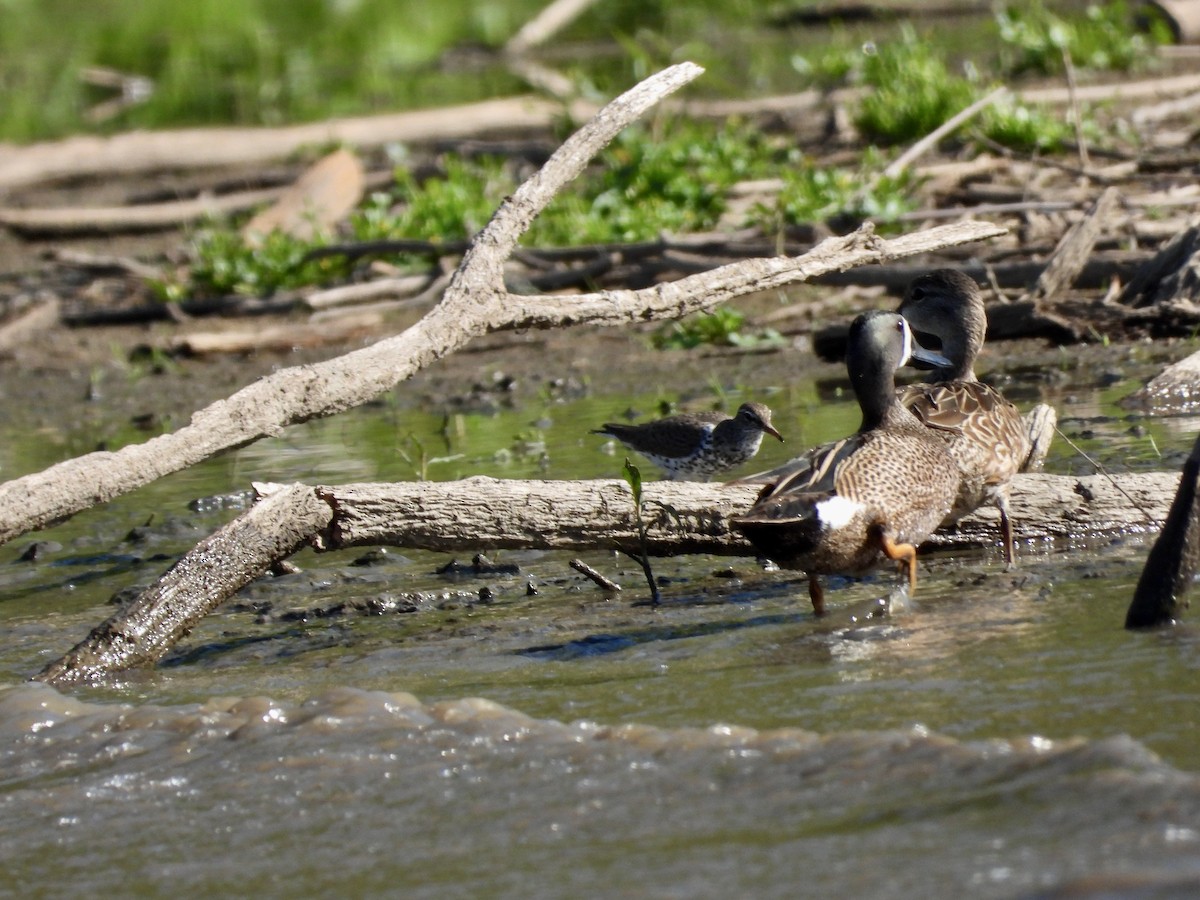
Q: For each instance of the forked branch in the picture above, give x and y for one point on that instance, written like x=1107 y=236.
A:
x=475 y=303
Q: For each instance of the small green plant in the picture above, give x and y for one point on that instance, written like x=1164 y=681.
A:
x=913 y=90
x=815 y=194
x=675 y=179
x=721 y=328
x=633 y=477
x=1035 y=40
x=1026 y=128
x=834 y=64
x=225 y=263
x=451 y=206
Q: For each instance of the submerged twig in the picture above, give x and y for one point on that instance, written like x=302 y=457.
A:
x=602 y=580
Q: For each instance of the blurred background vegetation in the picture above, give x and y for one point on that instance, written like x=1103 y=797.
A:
x=275 y=61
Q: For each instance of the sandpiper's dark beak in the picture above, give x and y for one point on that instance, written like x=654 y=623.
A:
x=770 y=429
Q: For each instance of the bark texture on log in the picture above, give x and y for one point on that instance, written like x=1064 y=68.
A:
x=689 y=517
x=142 y=151
x=212 y=572
x=486 y=513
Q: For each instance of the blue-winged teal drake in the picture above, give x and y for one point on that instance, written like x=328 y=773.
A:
x=696 y=446
x=881 y=491
x=984 y=432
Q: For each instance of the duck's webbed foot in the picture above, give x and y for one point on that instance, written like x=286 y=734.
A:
x=904 y=554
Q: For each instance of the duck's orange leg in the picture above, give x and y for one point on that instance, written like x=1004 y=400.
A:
x=905 y=554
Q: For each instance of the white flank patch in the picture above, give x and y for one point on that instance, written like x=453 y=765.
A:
x=836 y=512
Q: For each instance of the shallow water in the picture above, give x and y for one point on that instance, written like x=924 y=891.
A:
x=1000 y=735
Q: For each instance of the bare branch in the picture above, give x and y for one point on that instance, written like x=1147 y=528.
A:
x=546 y=24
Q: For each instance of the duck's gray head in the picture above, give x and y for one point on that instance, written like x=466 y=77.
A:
x=885 y=341
x=948 y=305
x=879 y=343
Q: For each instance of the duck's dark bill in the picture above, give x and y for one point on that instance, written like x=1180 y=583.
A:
x=920 y=358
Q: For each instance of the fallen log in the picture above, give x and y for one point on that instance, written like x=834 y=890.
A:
x=479 y=514
x=104 y=220
x=147 y=151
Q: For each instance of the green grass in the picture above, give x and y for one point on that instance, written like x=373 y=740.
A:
x=813 y=192
x=1035 y=40
x=1024 y=127
x=650 y=181
x=912 y=91
x=723 y=327
x=253 y=61
x=224 y=263
x=268 y=61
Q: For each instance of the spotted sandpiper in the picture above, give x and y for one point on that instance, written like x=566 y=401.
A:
x=696 y=446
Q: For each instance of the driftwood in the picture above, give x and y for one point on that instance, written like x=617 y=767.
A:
x=358 y=324
x=1175 y=389
x=201 y=148
x=479 y=514
x=144 y=217
x=40 y=317
x=1073 y=252
x=268 y=533
x=149 y=151
x=1183 y=16
x=546 y=24
x=475 y=303
x=1171 y=277
x=321 y=197
x=1162 y=296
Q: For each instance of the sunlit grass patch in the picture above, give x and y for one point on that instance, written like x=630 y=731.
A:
x=254 y=62
x=912 y=91
x=651 y=181
x=1023 y=127
x=1036 y=40
x=723 y=327
x=225 y=263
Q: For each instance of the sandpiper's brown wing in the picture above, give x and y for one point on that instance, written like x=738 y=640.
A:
x=674 y=437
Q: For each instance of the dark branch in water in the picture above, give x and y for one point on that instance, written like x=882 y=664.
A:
x=1160 y=597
